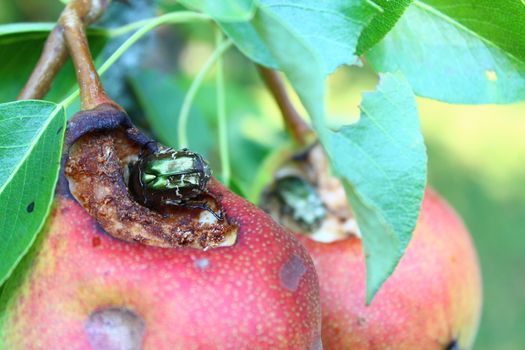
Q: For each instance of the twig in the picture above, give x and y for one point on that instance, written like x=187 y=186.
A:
x=296 y=126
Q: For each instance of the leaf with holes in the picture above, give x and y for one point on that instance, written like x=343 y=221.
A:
x=466 y=51
x=381 y=160
x=383 y=164
x=31 y=136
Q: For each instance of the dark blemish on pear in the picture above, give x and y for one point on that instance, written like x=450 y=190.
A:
x=291 y=273
x=115 y=328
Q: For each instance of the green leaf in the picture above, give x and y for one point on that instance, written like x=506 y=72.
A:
x=31 y=136
x=471 y=51
x=382 y=23
x=224 y=10
x=20 y=48
x=330 y=28
x=17 y=278
x=382 y=162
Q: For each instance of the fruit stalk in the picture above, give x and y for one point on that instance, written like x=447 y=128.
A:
x=296 y=126
x=54 y=54
x=92 y=93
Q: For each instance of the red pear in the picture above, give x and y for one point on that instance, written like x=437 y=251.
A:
x=87 y=290
x=431 y=301
x=84 y=289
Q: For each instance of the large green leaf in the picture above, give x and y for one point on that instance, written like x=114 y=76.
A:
x=224 y=10
x=20 y=48
x=382 y=23
x=381 y=160
x=468 y=51
x=330 y=28
x=31 y=135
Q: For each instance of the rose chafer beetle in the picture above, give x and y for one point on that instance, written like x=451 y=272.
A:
x=297 y=199
x=170 y=178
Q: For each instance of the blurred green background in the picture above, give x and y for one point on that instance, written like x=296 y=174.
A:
x=476 y=153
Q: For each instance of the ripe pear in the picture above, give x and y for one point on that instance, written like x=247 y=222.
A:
x=87 y=290
x=83 y=287
x=431 y=301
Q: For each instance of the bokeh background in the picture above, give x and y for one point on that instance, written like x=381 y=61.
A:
x=476 y=153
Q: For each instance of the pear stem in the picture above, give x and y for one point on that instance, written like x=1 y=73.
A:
x=92 y=93
x=54 y=54
x=294 y=123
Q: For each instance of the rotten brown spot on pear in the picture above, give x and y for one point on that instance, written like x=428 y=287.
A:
x=96 y=169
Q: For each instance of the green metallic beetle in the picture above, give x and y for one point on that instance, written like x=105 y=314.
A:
x=171 y=178
x=299 y=200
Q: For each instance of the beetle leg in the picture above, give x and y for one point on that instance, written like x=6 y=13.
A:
x=204 y=206
x=197 y=205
